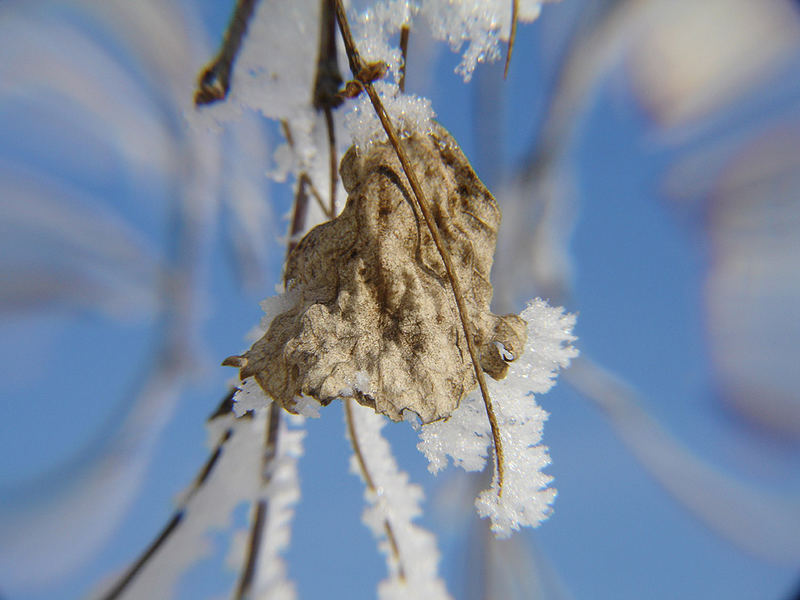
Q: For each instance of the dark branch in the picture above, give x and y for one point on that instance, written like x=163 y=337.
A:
x=326 y=90
x=214 y=81
x=328 y=79
x=405 y=31
x=512 y=36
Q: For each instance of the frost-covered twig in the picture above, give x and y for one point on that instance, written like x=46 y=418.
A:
x=263 y=572
x=180 y=513
x=357 y=66
x=411 y=554
x=479 y=23
x=363 y=471
x=259 y=520
x=226 y=480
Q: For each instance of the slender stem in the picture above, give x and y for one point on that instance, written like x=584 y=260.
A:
x=369 y=482
x=356 y=67
x=326 y=87
x=353 y=57
x=326 y=210
x=317 y=196
x=328 y=79
x=301 y=199
x=215 y=79
x=405 y=31
x=512 y=36
x=333 y=160
x=299 y=212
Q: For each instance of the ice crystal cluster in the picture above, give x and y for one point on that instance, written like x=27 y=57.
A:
x=395 y=503
x=466 y=436
x=480 y=24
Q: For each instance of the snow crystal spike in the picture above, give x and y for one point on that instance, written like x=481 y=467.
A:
x=375 y=317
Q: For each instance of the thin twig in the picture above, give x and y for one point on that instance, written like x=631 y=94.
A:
x=405 y=31
x=512 y=36
x=287 y=132
x=300 y=207
x=215 y=79
x=326 y=86
x=299 y=212
x=303 y=181
x=326 y=210
x=370 y=483
x=357 y=66
x=328 y=78
x=177 y=518
x=333 y=161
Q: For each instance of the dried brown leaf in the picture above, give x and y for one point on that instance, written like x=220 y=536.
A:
x=374 y=315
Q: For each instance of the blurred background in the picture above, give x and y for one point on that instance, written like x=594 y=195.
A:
x=646 y=156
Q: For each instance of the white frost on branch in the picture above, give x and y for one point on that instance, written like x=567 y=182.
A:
x=375 y=25
x=481 y=24
x=274 y=74
x=249 y=397
x=276 y=68
x=408 y=113
x=207 y=506
x=466 y=437
x=375 y=33
x=395 y=502
x=280 y=491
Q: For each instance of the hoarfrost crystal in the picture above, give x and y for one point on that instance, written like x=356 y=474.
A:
x=395 y=503
x=481 y=24
x=466 y=435
x=409 y=114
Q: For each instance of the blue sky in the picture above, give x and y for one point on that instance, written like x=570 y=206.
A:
x=640 y=267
